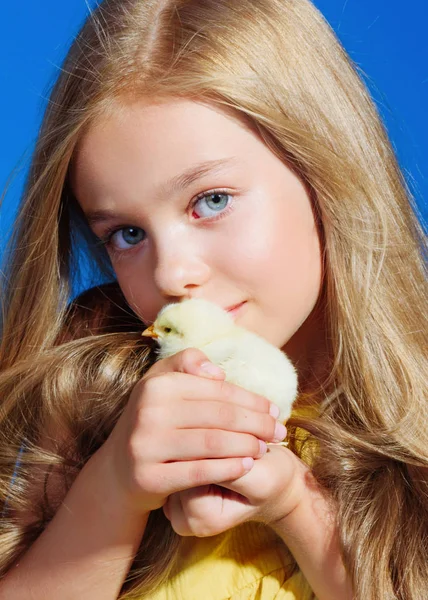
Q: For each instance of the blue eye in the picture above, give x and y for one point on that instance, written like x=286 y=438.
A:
x=215 y=202
x=128 y=236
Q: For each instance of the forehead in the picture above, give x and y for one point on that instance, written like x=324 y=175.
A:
x=165 y=121
x=160 y=140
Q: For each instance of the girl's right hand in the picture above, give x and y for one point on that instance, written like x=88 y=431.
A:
x=182 y=428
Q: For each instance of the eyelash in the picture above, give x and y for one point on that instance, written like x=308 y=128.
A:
x=106 y=238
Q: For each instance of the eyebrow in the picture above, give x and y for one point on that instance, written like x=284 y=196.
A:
x=177 y=183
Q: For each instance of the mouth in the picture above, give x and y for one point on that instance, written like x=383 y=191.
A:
x=236 y=308
x=150 y=332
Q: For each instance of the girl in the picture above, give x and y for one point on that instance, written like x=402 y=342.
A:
x=225 y=150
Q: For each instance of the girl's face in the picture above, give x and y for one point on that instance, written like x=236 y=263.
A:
x=192 y=204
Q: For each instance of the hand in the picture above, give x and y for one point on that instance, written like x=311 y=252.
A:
x=268 y=493
x=180 y=430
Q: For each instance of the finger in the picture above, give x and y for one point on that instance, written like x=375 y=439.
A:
x=197 y=388
x=276 y=468
x=211 y=414
x=192 y=361
x=192 y=388
x=231 y=393
x=207 y=510
x=187 y=474
x=173 y=511
x=196 y=444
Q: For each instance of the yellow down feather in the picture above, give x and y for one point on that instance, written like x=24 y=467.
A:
x=247 y=359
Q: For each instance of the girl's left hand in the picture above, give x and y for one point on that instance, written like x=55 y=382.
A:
x=267 y=493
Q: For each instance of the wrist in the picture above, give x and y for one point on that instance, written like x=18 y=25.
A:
x=305 y=490
x=311 y=534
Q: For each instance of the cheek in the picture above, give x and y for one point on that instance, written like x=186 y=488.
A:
x=133 y=281
x=296 y=289
x=278 y=259
x=279 y=249
x=299 y=252
x=298 y=258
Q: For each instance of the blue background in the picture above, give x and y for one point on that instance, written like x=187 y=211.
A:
x=386 y=38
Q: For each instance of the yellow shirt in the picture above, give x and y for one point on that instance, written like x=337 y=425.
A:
x=248 y=562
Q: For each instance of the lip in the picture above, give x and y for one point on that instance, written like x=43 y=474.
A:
x=235 y=308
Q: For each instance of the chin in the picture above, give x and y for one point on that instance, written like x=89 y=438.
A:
x=275 y=338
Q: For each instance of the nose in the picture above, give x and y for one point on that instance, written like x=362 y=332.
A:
x=178 y=271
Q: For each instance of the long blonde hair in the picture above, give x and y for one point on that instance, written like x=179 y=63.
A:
x=277 y=64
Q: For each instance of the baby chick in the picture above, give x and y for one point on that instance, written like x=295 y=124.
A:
x=247 y=359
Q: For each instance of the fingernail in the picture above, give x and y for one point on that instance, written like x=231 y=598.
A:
x=263 y=447
x=280 y=432
x=274 y=411
x=248 y=463
x=212 y=369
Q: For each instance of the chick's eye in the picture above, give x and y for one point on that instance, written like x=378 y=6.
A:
x=210 y=204
x=127 y=237
x=167 y=329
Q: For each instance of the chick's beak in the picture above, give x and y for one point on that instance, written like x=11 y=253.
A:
x=150 y=332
